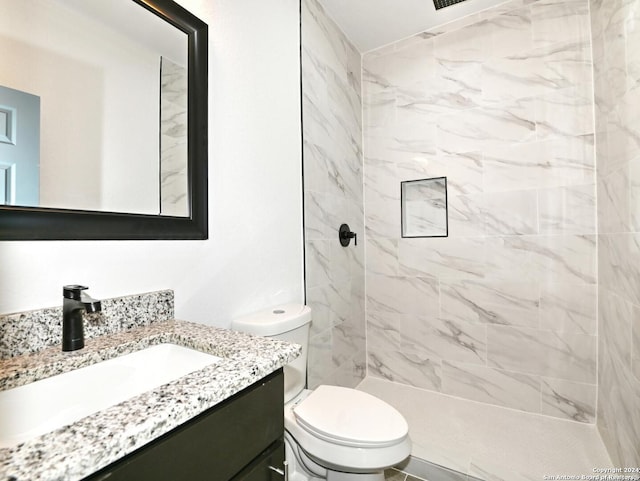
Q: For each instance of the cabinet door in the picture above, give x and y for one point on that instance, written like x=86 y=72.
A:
x=216 y=445
x=261 y=468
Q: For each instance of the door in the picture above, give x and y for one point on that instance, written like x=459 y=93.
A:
x=19 y=148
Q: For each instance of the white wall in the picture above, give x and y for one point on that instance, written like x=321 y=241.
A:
x=254 y=255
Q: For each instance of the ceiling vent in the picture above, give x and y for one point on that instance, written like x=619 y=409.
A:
x=445 y=3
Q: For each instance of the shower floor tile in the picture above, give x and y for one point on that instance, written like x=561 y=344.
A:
x=489 y=442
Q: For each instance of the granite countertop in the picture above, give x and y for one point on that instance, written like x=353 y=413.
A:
x=78 y=450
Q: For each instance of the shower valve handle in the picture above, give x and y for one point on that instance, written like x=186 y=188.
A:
x=345 y=235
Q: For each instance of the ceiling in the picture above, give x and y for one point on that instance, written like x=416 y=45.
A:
x=370 y=24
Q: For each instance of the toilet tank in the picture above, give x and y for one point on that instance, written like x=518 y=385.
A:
x=289 y=322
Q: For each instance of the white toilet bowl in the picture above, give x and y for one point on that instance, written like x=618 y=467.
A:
x=332 y=433
x=338 y=433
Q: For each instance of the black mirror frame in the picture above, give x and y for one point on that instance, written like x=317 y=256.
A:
x=35 y=223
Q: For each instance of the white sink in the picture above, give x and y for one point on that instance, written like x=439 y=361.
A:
x=42 y=406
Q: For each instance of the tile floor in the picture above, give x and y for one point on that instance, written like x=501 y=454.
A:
x=395 y=475
x=490 y=442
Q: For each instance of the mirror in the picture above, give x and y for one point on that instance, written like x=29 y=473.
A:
x=424 y=207
x=122 y=94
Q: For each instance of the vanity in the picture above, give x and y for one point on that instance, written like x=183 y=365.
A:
x=223 y=421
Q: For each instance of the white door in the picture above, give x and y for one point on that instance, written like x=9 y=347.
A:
x=19 y=148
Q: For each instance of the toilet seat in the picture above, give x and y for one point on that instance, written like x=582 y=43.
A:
x=343 y=416
x=359 y=455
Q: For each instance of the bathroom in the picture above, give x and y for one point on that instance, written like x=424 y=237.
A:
x=525 y=257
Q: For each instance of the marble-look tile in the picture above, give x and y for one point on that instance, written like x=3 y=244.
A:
x=463 y=47
x=567 y=210
x=322 y=35
x=318 y=256
x=340 y=301
x=512 y=213
x=444 y=339
x=408 y=64
x=569 y=258
x=317 y=222
x=443 y=91
x=444 y=258
x=463 y=171
x=492 y=386
x=568 y=307
x=378 y=108
x=347 y=339
x=486 y=127
x=617 y=260
x=510 y=32
x=623 y=141
x=381 y=181
x=503 y=303
x=633 y=173
x=614 y=206
x=382 y=256
x=403 y=295
x=571 y=400
x=554 y=162
x=615 y=319
x=635 y=342
x=622 y=417
x=410 y=369
x=349 y=374
x=558 y=21
x=466 y=215
x=513 y=78
x=568 y=356
x=567 y=112
x=318 y=299
x=383 y=331
x=320 y=362
x=382 y=220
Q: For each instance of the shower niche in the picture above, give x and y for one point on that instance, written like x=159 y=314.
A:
x=424 y=207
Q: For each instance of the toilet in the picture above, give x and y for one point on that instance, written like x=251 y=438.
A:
x=333 y=433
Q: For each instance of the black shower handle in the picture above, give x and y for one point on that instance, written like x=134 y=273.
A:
x=345 y=235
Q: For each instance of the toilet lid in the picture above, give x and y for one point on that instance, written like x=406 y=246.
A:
x=351 y=418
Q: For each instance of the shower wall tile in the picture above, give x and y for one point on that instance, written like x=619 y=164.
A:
x=383 y=331
x=416 y=370
x=487 y=302
x=466 y=214
x=444 y=258
x=486 y=127
x=567 y=210
x=568 y=308
x=444 y=339
x=567 y=112
x=512 y=213
x=333 y=194
x=615 y=36
x=575 y=401
x=569 y=356
x=558 y=21
x=502 y=310
x=382 y=256
x=554 y=162
x=490 y=385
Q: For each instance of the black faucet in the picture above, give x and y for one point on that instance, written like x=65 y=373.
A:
x=74 y=304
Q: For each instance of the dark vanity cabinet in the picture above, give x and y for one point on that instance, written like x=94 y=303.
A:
x=238 y=439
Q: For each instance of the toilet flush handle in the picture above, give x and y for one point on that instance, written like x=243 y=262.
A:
x=282 y=472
